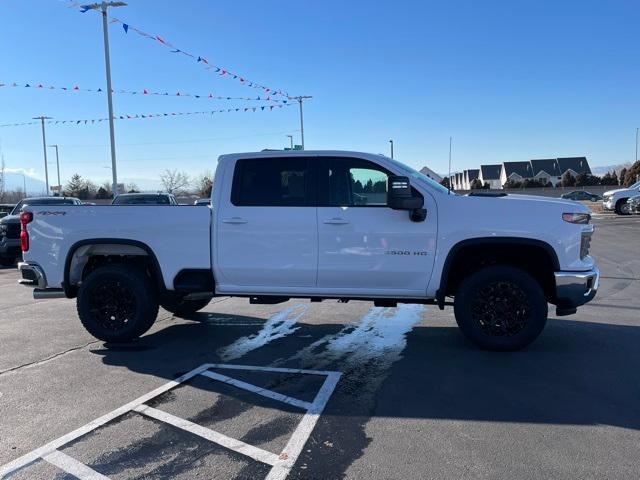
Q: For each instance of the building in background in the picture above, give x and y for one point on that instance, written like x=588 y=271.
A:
x=431 y=174
x=490 y=175
x=515 y=172
x=546 y=171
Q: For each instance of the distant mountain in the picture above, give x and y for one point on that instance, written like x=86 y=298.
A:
x=15 y=181
x=602 y=170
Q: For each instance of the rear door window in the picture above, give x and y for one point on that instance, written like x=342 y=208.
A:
x=272 y=182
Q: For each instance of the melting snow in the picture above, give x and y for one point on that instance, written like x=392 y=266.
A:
x=279 y=325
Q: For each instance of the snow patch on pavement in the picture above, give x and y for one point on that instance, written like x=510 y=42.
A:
x=378 y=338
x=279 y=325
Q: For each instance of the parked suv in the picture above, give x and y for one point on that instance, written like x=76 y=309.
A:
x=10 y=226
x=5 y=209
x=617 y=199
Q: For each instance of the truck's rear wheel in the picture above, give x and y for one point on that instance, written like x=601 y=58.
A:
x=117 y=303
x=622 y=207
x=501 y=308
x=181 y=307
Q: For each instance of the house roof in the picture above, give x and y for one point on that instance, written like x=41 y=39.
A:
x=491 y=172
x=472 y=174
x=547 y=165
x=577 y=164
x=520 y=168
x=431 y=174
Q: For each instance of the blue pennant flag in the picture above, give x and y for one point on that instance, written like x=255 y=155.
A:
x=125 y=27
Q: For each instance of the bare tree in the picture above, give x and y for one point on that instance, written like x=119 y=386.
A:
x=174 y=181
x=203 y=183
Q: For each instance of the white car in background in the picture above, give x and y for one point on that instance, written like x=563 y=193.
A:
x=616 y=200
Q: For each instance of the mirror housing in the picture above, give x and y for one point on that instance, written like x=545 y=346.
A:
x=400 y=196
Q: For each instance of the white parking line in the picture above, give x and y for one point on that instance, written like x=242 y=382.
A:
x=73 y=466
x=281 y=463
x=215 y=437
x=258 y=390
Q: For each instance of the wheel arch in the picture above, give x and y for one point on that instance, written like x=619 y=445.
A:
x=498 y=250
x=75 y=265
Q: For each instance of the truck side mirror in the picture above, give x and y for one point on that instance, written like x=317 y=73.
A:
x=400 y=196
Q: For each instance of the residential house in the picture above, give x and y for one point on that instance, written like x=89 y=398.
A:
x=546 y=171
x=431 y=174
x=490 y=175
x=472 y=174
x=515 y=171
x=574 y=165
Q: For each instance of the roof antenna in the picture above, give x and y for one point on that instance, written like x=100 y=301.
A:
x=449 y=178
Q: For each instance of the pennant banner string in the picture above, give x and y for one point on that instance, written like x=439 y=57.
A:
x=144 y=92
x=223 y=72
x=139 y=116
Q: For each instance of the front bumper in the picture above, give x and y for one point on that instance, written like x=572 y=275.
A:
x=608 y=204
x=575 y=288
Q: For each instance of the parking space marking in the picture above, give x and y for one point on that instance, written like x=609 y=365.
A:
x=258 y=390
x=281 y=463
x=73 y=466
x=215 y=437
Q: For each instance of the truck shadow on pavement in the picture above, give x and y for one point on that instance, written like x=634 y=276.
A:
x=576 y=373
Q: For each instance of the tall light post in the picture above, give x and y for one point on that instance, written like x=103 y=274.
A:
x=103 y=6
x=391 y=142
x=57 y=163
x=42 y=118
x=637 y=143
x=291 y=140
x=300 y=99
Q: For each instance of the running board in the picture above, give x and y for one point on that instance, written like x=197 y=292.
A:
x=41 y=294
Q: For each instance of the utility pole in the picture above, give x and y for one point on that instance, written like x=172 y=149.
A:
x=301 y=99
x=291 y=140
x=391 y=142
x=24 y=185
x=57 y=163
x=105 y=31
x=637 y=144
x=42 y=118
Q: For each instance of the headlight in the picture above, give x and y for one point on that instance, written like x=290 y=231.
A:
x=581 y=218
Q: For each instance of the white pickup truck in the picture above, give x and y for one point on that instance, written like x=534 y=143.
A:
x=318 y=225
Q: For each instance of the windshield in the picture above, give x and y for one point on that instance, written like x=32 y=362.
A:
x=42 y=201
x=141 y=200
x=421 y=176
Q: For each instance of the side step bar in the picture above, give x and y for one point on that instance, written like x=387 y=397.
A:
x=41 y=294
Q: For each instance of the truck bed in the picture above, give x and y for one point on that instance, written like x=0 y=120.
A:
x=178 y=236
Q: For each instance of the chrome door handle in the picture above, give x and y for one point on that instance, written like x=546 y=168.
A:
x=234 y=220
x=336 y=221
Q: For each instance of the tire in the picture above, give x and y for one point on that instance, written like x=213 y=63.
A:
x=494 y=294
x=622 y=207
x=181 y=307
x=117 y=303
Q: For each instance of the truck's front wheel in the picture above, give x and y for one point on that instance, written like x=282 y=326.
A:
x=500 y=308
x=622 y=207
x=117 y=303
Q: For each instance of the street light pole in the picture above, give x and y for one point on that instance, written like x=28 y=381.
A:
x=637 y=144
x=105 y=31
x=57 y=163
x=42 y=118
x=391 y=142
x=301 y=99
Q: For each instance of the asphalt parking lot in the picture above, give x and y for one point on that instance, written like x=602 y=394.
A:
x=326 y=390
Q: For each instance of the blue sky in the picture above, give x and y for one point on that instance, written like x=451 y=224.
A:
x=509 y=80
